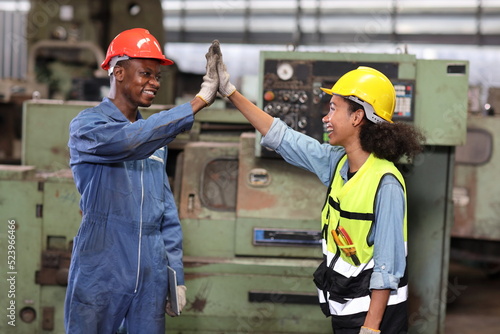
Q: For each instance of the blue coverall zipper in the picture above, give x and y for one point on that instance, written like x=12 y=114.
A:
x=140 y=229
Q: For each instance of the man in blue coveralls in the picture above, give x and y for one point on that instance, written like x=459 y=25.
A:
x=130 y=230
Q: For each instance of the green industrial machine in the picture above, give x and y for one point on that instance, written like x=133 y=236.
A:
x=251 y=221
x=276 y=211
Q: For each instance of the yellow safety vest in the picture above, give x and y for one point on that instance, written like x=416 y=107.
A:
x=351 y=206
x=343 y=283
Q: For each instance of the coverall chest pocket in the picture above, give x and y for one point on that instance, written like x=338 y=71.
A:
x=154 y=178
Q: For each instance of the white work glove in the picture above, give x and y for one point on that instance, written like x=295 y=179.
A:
x=366 y=330
x=210 y=84
x=181 y=299
x=226 y=88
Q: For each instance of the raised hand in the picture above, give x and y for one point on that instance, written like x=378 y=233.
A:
x=210 y=84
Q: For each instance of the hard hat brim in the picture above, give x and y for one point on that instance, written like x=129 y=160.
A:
x=163 y=61
x=166 y=61
x=326 y=90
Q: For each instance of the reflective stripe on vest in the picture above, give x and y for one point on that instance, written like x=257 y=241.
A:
x=362 y=304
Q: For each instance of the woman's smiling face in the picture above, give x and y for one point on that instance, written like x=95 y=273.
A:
x=338 y=122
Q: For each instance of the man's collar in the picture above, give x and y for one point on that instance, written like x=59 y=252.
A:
x=111 y=110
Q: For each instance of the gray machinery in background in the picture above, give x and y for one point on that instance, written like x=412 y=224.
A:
x=66 y=41
x=251 y=221
x=476 y=232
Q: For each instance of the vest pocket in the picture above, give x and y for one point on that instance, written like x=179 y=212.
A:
x=345 y=244
x=323 y=276
x=320 y=281
x=320 y=276
x=342 y=288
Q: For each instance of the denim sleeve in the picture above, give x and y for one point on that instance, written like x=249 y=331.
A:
x=303 y=151
x=388 y=237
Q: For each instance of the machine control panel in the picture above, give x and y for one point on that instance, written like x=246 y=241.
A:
x=291 y=92
x=404 y=100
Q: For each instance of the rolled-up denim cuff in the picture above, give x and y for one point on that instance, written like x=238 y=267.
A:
x=380 y=281
x=275 y=134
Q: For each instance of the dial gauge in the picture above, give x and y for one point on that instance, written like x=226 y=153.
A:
x=285 y=71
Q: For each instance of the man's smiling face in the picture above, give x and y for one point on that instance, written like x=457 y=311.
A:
x=141 y=81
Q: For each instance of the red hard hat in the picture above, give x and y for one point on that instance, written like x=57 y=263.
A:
x=135 y=43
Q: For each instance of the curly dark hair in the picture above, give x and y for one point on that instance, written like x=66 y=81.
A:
x=389 y=141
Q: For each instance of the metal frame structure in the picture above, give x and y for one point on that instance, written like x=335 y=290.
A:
x=318 y=22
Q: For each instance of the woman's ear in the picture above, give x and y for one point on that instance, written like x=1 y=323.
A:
x=357 y=117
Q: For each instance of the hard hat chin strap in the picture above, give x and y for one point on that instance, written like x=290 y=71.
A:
x=112 y=81
x=369 y=111
x=112 y=87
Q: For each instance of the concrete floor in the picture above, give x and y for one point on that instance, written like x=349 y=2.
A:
x=473 y=301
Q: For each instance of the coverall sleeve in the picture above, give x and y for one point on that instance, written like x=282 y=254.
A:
x=99 y=139
x=388 y=238
x=171 y=231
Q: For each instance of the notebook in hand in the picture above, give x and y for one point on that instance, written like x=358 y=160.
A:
x=172 y=290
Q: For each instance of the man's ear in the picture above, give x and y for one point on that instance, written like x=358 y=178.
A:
x=119 y=72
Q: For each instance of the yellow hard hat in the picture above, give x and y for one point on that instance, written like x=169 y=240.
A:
x=370 y=88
